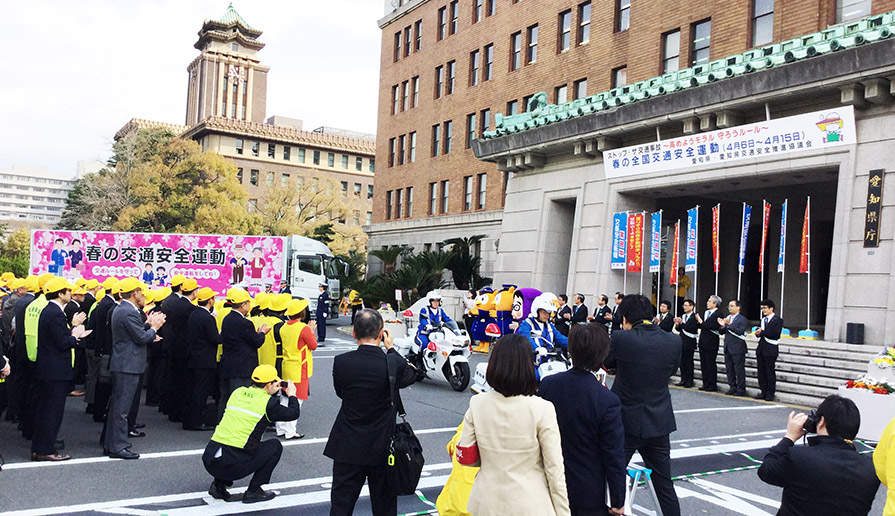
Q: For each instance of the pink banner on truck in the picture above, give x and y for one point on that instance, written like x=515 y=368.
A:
x=215 y=261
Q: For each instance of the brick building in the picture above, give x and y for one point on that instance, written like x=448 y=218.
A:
x=225 y=113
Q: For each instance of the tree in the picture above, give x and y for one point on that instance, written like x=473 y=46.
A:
x=463 y=264
x=417 y=275
x=389 y=256
x=14 y=251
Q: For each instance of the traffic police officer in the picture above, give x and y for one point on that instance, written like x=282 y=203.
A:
x=322 y=312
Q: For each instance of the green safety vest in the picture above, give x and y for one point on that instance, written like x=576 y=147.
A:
x=32 y=317
x=245 y=408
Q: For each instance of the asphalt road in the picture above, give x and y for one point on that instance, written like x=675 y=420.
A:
x=716 y=450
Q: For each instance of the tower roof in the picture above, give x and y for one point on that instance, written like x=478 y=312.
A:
x=231 y=16
x=230 y=26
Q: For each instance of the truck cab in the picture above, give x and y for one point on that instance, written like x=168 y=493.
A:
x=311 y=263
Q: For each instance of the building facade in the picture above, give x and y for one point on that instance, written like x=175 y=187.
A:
x=712 y=104
x=33 y=197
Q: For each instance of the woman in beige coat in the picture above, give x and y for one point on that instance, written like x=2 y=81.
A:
x=514 y=437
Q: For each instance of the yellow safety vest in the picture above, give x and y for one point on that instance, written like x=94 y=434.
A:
x=245 y=408
x=293 y=357
x=32 y=317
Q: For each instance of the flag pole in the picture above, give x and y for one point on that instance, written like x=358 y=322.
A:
x=696 y=257
x=659 y=272
x=764 y=231
x=625 y=270
x=677 y=276
x=783 y=253
x=739 y=271
x=643 y=250
x=717 y=264
x=808 y=258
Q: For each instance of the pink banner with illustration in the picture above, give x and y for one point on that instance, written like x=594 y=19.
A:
x=215 y=261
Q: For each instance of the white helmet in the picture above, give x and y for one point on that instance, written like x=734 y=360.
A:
x=546 y=301
x=433 y=295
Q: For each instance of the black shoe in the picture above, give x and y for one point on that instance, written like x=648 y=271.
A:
x=258 y=496
x=125 y=454
x=759 y=396
x=202 y=428
x=680 y=384
x=708 y=389
x=89 y=409
x=136 y=433
x=59 y=444
x=218 y=491
x=139 y=425
x=769 y=398
x=740 y=394
x=730 y=392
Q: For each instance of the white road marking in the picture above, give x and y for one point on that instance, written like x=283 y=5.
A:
x=725 y=500
x=766 y=433
x=714 y=409
x=712 y=486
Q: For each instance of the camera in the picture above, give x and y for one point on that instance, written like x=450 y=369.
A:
x=810 y=425
x=284 y=384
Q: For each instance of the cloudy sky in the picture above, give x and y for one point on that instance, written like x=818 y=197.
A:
x=75 y=72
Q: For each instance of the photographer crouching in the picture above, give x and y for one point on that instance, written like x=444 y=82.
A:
x=236 y=450
x=828 y=476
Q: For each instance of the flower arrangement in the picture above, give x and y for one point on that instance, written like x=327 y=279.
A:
x=870 y=384
x=886 y=358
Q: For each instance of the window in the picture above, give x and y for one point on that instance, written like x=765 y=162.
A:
x=491 y=7
x=442 y=23
x=316 y=157
x=234 y=47
x=284 y=179
x=620 y=77
x=405 y=86
x=411 y=157
x=470 y=129
x=407 y=35
x=345 y=161
x=565 y=31
x=356 y=218
x=391 y=152
x=671 y=44
x=474 y=68
x=269 y=179
x=448 y=133
x=580 y=89
x=287 y=152
x=418 y=29
x=395 y=100
x=397 y=46
x=330 y=159
x=451 y=75
x=467 y=193
x=483 y=185
x=253 y=205
x=455 y=15
x=369 y=218
x=560 y=94
x=851 y=9
x=526 y=100
x=369 y=192
x=239 y=146
x=402 y=141
x=239 y=175
x=486 y=120
x=253 y=177
x=622 y=15
x=762 y=22
x=399 y=193
x=416 y=91
x=345 y=188
x=512 y=107
x=358 y=163
x=357 y=190
x=702 y=37
x=408 y=212
x=445 y=185
x=476 y=10
x=583 y=23
x=388 y=205
x=439 y=80
x=255 y=148
x=489 y=62
x=372 y=165
x=532 y=44
x=515 y=51
x=271 y=150
x=436 y=139
x=433 y=198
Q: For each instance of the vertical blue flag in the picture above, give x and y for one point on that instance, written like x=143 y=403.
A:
x=782 y=255
x=692 y=225
x=655 y=240
x=619 y=240
x=744 y=235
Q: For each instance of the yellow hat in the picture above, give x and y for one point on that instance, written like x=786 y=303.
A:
x=265 y=373
x=149 y=296
x=189 y=284
x=130 y=284
x=279 y=302
x=43 y=279
x=7 y=276
x=240 y=296
x=91 y=284
x=205 y=294
x=296 y=306
x=109 y=282
x=231 y=292
x=17 y=284
x=178 y=279
x=57 y=285
x=161 y=294
x=31 y=284
x=80 y=281
x=79 y=290
x=263 y=300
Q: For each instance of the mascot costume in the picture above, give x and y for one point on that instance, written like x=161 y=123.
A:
x=484 y=306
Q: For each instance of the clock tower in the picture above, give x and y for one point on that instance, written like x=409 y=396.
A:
x=227 y=79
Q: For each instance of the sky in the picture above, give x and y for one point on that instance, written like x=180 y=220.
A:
x=76 y=71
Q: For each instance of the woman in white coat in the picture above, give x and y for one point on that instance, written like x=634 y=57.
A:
x=514 y=437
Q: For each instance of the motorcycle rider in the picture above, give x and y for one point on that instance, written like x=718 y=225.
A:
x=538 y=322
x=430 y=318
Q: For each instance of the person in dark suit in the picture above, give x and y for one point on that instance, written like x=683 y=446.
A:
x=563 y=315
x=579 y=311
x=130 y=340
x=24 y=374
x=284 y=287
x=169 y=396
x=734 y=330
x=590 y=424
x=664 y=319
x=828 y=476
x=709 y=341
x=688 y=327
x=616 y=316
x=100 y=343
x=602 y=314
x=178 y=381
x=156 y=366
x=240 y=342
x=72 y=308
x=53 y=369
x=203 y=339
x=359 y=439
x=766 y=353
x=644 y=358
x=322 y=312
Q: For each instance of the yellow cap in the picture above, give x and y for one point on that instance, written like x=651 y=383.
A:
x=91 y=284
x=178 y=279
x=231 y=292
x=296 y=306
x=43 y=279
x=149 y=296
x=239 y=297
x=130 y=284
x=265 y=373
x=80 y=281
x=189 y=284
x=205 y=294
x=79 y=290
x=263 y=300
x=57 y=285
x=17 y=284
x=109 y=282
x=279 y=302
x=7 y=276
x=31 y=284
x=162 y=293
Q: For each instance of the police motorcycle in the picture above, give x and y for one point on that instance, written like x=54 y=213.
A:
x=444 y=357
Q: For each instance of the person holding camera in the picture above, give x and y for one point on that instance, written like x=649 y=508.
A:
x=828 y=476
x=240 y=343
x=236 y=449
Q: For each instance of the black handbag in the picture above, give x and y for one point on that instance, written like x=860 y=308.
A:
x=405 y=453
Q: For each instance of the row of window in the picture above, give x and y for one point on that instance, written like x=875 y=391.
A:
x=409 y=40
x=255 y=174
x=40 y=180
x=253 y=207
x=399 y=202
x=287 y=155
x=406 y=95
x=402 y=149
x=358 y=188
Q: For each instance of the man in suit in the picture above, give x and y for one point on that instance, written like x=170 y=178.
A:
x=602 y=314
x=240 y=342
x=616 y=316
x=734 y=329
x=664 y=319
x=563 y=315
x=72 y=308
x=709 y=341
x=766 y=353
x=169 y=395
x=203 y=339
x=828 y=476
x=130 y=340
x=52 y=369
x=24 y=375
x=579 y=311
x=99 y=345
x=644 y=358
x=358 y=442
x=322 y=312
x=688 y=327
x=178 y=314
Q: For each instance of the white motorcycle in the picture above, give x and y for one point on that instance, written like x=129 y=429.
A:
x=546 y=364
x=446 y=357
